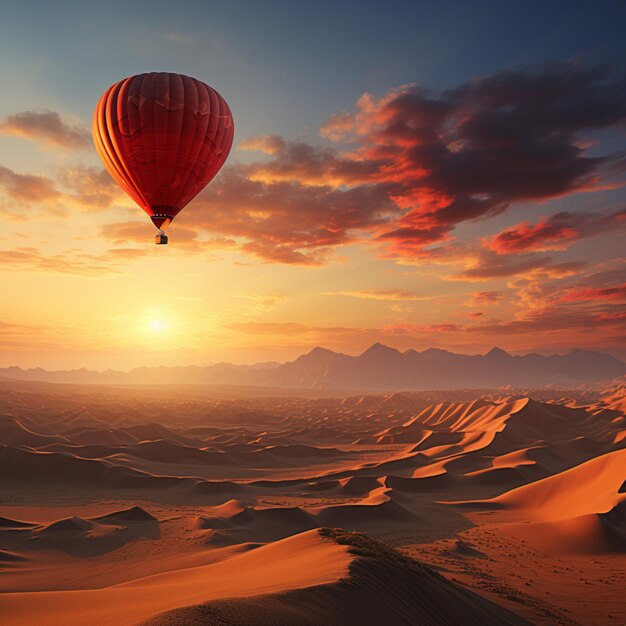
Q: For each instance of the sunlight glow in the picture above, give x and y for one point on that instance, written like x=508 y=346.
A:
x=156 y=325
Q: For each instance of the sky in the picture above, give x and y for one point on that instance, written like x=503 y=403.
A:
x=418 y=174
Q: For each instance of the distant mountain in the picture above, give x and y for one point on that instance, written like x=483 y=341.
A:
x=379 y=368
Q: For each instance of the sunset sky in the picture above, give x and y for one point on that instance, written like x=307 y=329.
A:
x=444 y=174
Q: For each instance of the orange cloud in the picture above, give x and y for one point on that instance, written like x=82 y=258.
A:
x=46 y=128
x=380 y=294
x=487 y=266
x=90 y=188
x=287 y=222
x=268 y=144
x=420 y=329
x=595 y=294
x=79 y=187
x=551 y=319
x=70 y=262
x=556 y=232
x=27 y=188
x=482 y=298
x=338 y=126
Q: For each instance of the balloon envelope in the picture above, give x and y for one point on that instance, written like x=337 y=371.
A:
x=162 y=137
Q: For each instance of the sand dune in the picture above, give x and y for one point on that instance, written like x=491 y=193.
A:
x=11 y=523
x=300 y=561
x=333 y=586
x=592 y=487
x=136 y=501
x=71 y=524
x=13 y=432
x=6 y=558
x=614 y=526
x=382 y=587
x=18 y=466
x=134 y=514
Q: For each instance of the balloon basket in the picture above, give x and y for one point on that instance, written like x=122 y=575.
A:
x=160 y=239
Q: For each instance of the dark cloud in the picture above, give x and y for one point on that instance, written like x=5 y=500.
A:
x=474 y=150
x=422 y=163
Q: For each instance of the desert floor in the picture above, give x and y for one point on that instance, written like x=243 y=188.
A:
x=191 y=505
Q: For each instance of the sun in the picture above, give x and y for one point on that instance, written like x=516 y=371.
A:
x=156 y=325
x=155 y=322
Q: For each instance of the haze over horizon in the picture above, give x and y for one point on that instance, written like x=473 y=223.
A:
x=463 y=189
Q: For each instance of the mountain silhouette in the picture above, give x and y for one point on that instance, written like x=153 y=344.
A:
x=379 y=368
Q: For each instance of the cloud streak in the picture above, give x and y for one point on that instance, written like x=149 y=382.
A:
x=557 y=232
x=381 y=294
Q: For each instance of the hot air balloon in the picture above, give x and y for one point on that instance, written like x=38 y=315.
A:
x=163 y=137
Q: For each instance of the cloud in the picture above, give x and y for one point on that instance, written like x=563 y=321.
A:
x=488 y=265
x=418 y=164
x=311 y=165
x=46 y=128
x=69 y=262
x=263 y=302
x=287 y=222
x=485 y=298
x=472 y=151
x=27 y=188
x=591 y=294
x=90 y=188
x=419 y=329
x=79 y=187
x=556 y=232
x=268 y=144
x=380 y=294
x=548 y=319
x=338 y=126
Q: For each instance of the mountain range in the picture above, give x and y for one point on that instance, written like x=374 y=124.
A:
x=379 y=368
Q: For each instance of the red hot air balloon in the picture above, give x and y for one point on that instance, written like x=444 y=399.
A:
x=162 y=137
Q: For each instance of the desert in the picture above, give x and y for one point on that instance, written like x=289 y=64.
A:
x=205 y=505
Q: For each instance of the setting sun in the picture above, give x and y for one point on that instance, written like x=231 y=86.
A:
x=156 y=325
